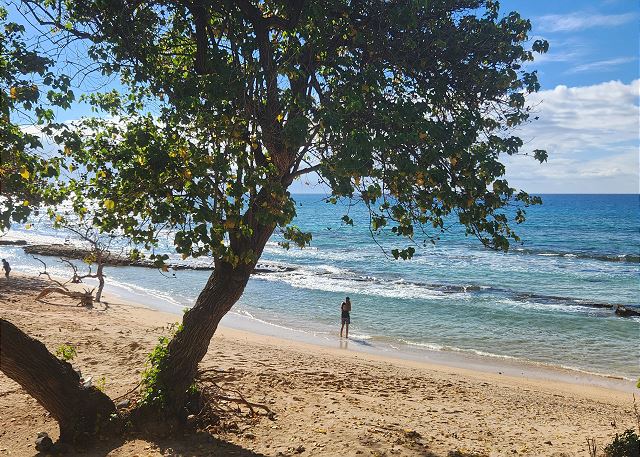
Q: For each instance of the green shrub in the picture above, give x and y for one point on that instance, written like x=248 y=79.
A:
x=625 y=445
x=101 y=383
x=66 y=352
x=152 y=390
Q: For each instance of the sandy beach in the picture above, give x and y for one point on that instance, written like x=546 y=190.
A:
x=325 y=401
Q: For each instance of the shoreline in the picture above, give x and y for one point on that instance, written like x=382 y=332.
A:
x=441 y=360
x=430 y=358
x=327 y=401
x=449 y=331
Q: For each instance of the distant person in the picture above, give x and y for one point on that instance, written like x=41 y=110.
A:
x=7 y=268
x=345 y=307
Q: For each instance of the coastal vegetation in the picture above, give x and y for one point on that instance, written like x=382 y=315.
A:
x=405 y=106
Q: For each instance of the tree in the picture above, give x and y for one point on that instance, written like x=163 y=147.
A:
x=25 y=75
x=99 y=247
x=54 y=383
x=28 y=91
x=406 y=105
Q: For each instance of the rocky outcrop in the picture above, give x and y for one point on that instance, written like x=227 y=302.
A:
x=12 y=242
x=69 y=251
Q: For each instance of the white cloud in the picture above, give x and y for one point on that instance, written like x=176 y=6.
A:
x=581 y=21
x=601 y=65
x=592 y=136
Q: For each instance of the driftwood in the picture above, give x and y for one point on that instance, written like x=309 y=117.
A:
x=84 y=298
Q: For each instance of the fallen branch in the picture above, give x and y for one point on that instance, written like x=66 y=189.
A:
x=85 y=298
x=75 y=279
x=45 y=273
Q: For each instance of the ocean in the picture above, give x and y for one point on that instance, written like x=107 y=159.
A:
x=534 y=304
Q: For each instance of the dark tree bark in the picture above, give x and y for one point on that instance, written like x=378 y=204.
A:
x=188 y=347
x=100 y=276
x=53 y=383
x=223 y=289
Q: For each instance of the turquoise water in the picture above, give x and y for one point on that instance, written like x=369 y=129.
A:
x=530 y=304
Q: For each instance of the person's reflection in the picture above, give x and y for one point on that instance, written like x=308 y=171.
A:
x=344 y=344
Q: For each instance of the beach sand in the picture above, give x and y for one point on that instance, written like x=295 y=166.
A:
x=326 y=401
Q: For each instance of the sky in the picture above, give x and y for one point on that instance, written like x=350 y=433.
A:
x=588 y=106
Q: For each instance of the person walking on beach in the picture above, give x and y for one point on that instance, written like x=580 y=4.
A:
x=6 y=267
x=346 y=316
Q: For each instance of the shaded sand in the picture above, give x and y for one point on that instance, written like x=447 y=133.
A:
x=327 y=402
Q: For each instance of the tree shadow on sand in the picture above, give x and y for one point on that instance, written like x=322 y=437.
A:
x=197 y=444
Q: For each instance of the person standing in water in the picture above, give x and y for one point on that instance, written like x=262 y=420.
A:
x=6 y=267
x=346 y=316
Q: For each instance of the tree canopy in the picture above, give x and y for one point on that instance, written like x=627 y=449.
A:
x=406 y=105
x=29 y=89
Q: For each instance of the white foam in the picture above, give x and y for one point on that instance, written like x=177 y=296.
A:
x=564 y=308
x=344 y=281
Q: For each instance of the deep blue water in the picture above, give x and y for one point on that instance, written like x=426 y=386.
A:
x=531 y=303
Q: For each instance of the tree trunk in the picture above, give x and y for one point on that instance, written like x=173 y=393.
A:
x=188 y=347
x=223 y=289
x=100 y=276
x=53 y=383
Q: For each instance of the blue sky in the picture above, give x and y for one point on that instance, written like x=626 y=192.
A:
x=591 y=41
x=588 y=105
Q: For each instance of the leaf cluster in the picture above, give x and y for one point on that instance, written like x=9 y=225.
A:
x=29 y=89
x=152 y=390
x=625 y=445
x=66 y=352
x=407 y=106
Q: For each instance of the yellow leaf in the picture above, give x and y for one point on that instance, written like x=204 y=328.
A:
x=67 y=151
x=28 y=226
x=454 y=161
x=58 y=218
x=422 y=135
x=24 y=173
x=13 y=92
x=229 y=224
x=109 y=204
x=187 y=173
x=357 y=180
x=184 y=256
x=25 y=203
x=279 y=117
